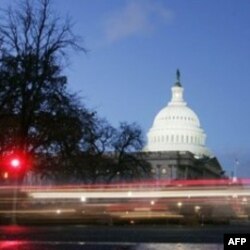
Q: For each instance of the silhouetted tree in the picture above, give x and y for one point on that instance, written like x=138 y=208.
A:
x=129 y=164
x=110 y=154
x=37 y=112
x=40 y=117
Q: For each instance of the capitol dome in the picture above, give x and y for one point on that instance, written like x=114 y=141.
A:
x=177 y=128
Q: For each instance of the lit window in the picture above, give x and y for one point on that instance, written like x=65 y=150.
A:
x=164 y=171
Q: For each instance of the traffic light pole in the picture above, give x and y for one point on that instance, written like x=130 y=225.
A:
x=14 y=202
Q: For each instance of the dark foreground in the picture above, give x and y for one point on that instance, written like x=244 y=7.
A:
x=7 y=245
x=130 y=234
x=116 y=238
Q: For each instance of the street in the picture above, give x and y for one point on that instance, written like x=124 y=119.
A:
x=115 y=237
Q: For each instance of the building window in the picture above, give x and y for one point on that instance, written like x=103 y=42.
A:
x=163 y=171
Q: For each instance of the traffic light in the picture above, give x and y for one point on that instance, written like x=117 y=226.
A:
x=15 y=163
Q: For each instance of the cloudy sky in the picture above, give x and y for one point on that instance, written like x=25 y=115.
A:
x=134 y=48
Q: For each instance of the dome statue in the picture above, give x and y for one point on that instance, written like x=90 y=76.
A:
x=177 y=128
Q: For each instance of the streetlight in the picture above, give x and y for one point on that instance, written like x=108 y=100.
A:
x=197 y=209
x=179 y=205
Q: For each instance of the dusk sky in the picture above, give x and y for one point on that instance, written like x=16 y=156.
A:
x=134 y=48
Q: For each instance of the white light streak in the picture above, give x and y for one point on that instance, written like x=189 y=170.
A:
x=71 y=194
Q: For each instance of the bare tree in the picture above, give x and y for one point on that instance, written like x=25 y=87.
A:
x=39 y=116
x=129 y=163
x=37 y=112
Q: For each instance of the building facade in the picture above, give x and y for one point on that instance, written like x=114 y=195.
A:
x=176 y=145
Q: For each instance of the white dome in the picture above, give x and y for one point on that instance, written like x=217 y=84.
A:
x=177 y=128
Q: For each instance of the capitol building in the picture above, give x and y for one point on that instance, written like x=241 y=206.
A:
x=176 y=145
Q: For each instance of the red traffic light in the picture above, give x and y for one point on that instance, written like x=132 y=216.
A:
x=15 y=163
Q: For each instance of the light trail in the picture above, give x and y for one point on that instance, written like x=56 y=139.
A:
x=37 y=211
x=147 y=189
x=214 y=199
x=71 y=194
x=148 y=184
